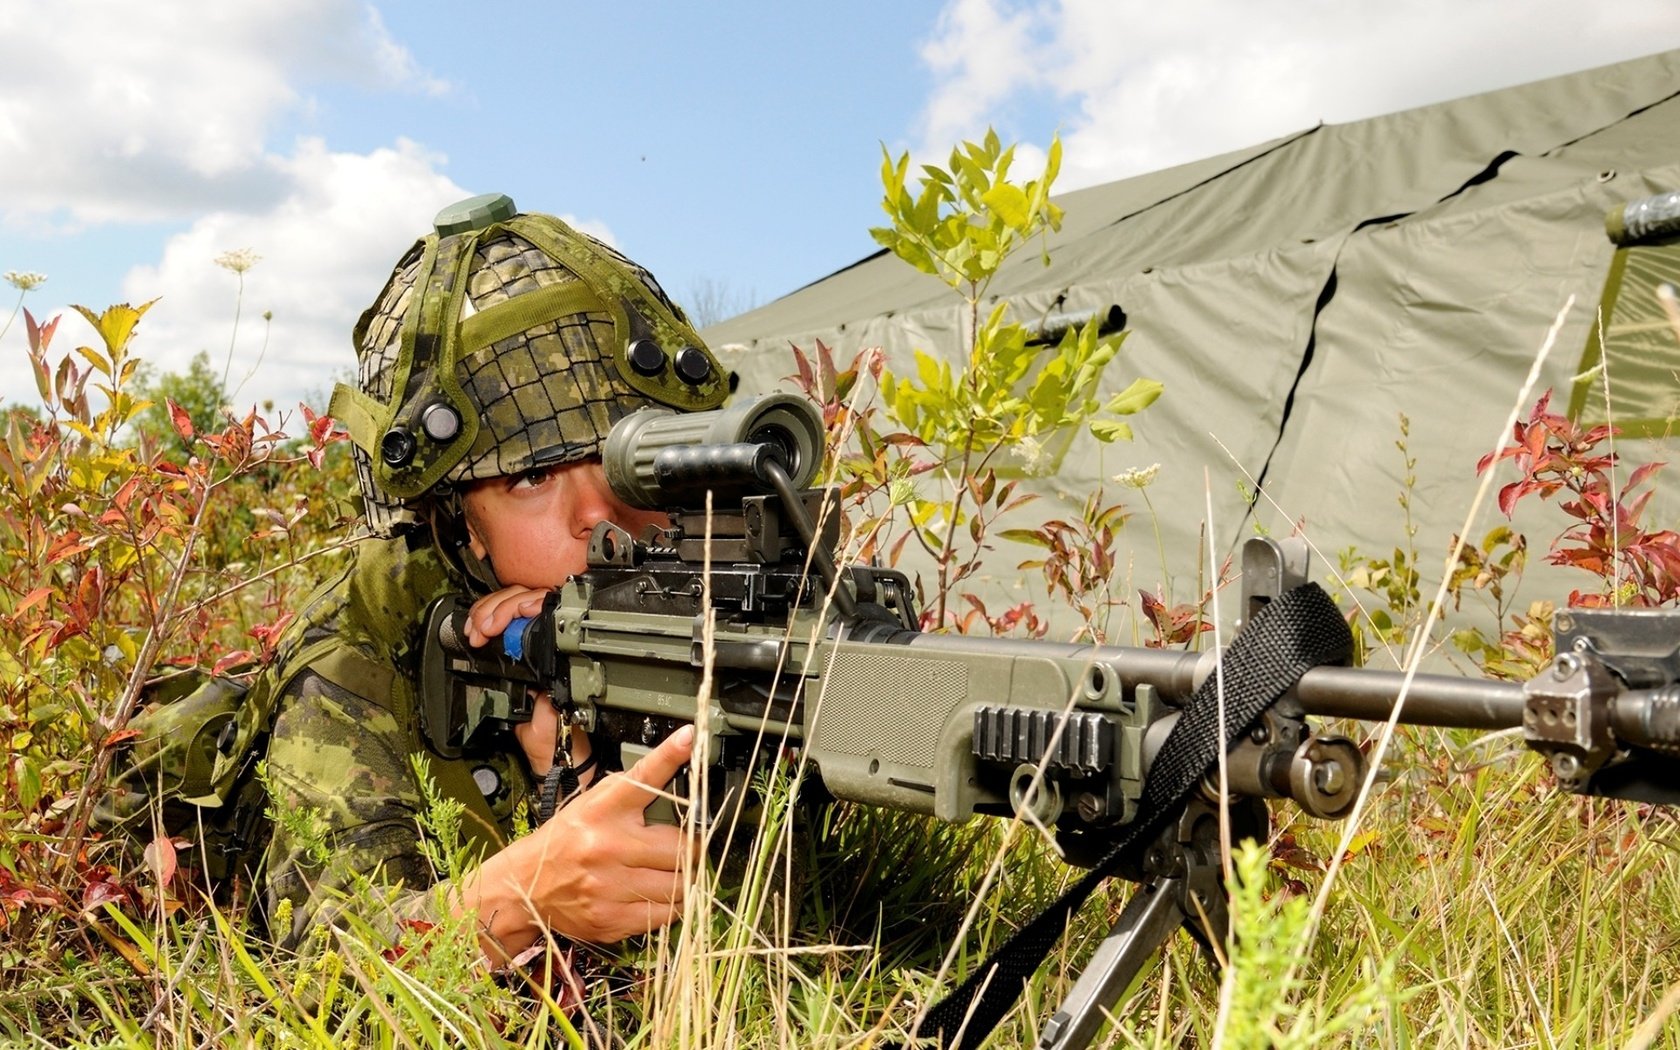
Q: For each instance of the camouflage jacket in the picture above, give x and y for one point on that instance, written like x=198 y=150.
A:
x=345 y=735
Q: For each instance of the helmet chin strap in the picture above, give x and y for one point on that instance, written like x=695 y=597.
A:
x=448 y=518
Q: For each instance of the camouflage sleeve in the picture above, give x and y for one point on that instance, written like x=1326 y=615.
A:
x=340 y=762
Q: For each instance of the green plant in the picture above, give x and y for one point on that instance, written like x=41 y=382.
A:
x=1009 y=394
x=1265 y=1000
x=121 y=562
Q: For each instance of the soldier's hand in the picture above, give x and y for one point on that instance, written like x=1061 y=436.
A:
x=490 y=615
x=597 y=871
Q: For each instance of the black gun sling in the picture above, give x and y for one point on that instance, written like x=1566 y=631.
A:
x=1285 y=639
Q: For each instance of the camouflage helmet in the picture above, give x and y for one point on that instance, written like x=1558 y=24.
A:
x=506 y=341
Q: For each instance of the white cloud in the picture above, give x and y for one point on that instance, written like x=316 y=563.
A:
x=1157 y=84
x=115 y=112
x=976 y=52
x=395 y=63
x=326 y=247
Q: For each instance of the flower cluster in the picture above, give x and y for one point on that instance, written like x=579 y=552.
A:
x=238 y=260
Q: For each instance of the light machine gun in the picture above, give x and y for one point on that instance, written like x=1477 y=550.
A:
x=806 y=654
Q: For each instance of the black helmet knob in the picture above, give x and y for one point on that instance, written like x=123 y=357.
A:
x=647 y=357
x=396 y=448
x=693 y=367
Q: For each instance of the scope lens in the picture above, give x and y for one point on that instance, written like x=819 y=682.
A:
x=781 y=442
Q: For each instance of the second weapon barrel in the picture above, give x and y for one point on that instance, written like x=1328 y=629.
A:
x=1432 y=700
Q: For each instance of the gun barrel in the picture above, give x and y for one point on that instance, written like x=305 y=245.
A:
x=1432 y=700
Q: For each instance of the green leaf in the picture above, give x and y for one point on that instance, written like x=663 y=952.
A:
x=1135 y=398
x=28 y=772
x=1031 y=537
x=116 y=324
x=1109 y=430
x=1009 y=203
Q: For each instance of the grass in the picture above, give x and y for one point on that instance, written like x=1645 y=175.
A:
x=1481 y=909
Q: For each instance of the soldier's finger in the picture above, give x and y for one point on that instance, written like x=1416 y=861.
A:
x=656 y=847
x=655 y=770
x=660 y=888
x=491 y=614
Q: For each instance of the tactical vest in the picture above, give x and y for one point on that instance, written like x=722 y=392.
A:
x=201 y=739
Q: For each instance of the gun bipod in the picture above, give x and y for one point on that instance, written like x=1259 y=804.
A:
x=1182 y=886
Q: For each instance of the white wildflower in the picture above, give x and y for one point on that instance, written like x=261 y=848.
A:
x=1033 y=456
x=238 y=260
x=24 y=280
x=1138 y=477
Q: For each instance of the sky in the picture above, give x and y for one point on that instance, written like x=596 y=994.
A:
x=732 y=147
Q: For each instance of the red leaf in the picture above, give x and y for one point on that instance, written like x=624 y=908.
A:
x=32 y=895
x=125 y=494
x=806 y=378
x=182 y=421
x=65 y=546
x=233 y=659
x=119 y=736
x=32 y=599
x=91 y=592
x=160 y=857
x=1508 y=497
x=101 y=893
x=40 y=335
x=826 y=373
x=266 y=633
x=1638 y=477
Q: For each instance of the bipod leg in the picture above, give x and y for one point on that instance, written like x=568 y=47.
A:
x=1148 y=919
x=1183 y=888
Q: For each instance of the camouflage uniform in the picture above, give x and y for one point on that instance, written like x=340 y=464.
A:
x=500 y=344
x=345 y=734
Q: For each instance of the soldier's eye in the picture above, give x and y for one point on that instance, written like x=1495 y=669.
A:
x=530 y=478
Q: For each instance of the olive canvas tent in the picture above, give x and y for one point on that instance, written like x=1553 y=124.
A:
x=1299 y=297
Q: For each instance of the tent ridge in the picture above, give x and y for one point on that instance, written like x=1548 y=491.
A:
x=1624 y=118
x=1216 y=176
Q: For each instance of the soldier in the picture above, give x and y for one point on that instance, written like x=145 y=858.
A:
x=499 y=354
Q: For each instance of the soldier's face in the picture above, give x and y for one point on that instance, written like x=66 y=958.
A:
x=534 y=527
